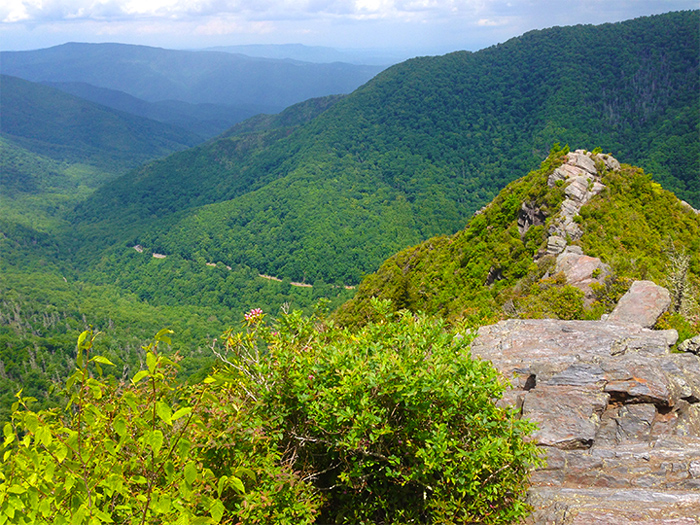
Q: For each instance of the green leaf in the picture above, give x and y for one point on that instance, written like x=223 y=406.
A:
x=162 y=335
x=217 y=510
x=169 y=469
x=181 y=412
x=43 y=436
x=164 y=412
x=61 y=452
x=31 y=422
x=190 y=472
x=139 y=376
x=119 y=426
x=95 y=389
x=156 y=441
x=236 y=484
x=82 y=337
x=102 y=360
x=9 y=433
x=151 y=362
x=221 y=485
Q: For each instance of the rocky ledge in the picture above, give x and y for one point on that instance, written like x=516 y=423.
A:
x=618 y=416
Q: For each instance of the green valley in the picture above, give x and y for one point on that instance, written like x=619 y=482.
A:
x=414 y=152
x=315 y=278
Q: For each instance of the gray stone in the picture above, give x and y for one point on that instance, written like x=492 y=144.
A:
x=634 y=423
x=577 y=190
x=642 y=304
x=567 y=416
x=579 y=159
x=691 y=345
x=563 y=173
x=610 y=162
x=578 y=374
x=618 y=418
x=579 y=269
x=528 y=216
x=694 y=469
x=555 y=244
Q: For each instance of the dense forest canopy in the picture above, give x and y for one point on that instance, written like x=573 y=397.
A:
x=298 y=207
x=414 y=152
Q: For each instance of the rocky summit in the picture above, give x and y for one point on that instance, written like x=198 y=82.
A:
x=618 y=416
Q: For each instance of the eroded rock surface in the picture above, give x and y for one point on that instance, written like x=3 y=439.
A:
x=581 y=270
x=618 y=415
x=642 y=304
x=581 y=180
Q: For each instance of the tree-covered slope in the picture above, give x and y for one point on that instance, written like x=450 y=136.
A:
x=414 y=152
x=67 y=128
x=156 y=74
x=495 y=268
x=206 y=120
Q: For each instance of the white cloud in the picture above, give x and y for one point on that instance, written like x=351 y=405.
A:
x=440 y=24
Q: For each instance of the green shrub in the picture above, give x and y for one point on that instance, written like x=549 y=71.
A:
x=304 y=423
x=145 y=452
x=395 y=423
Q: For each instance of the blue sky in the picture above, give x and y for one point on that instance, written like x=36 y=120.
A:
x=415 y=26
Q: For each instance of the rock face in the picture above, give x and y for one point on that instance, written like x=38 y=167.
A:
x=581 y=270
x=618 y=416
x=642 y=304
x=581 y=182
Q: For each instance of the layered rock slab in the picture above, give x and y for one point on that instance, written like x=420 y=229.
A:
x=618 y=416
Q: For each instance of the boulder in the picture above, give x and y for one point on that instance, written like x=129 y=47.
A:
x=579 y=270
x=555 y=244
x=581 y=160
x=642 y=304
x=610 y=162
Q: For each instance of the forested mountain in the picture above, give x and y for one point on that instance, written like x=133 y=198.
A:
x=67 y=128
x=414 y=152
x=57 y=148
x=325 y=191
x=206 y=120
x=155 y=74
x=504 y=264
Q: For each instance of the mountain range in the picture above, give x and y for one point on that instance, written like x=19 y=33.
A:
x=193 y=84
x=416 y=151
x=302 y=206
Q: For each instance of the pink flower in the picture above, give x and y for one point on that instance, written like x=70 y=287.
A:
x=254 y=316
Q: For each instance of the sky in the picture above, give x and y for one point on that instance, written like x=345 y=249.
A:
x=416 y=27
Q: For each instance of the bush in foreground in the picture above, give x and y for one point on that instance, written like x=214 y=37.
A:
x=302 y=423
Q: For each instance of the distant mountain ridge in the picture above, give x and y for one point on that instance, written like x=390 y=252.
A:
x=414 y=152
x=197 y=77
x=206 y=120
x=55 y=149
x=52 y=123
x=318 y=54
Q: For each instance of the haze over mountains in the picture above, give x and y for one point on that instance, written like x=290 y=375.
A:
x=319 y=54
x=238 y=86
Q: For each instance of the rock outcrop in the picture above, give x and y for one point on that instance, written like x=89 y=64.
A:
x=643 y=304
x=691 y=345
x=618 y=416
x=581 y=180
x=581 y=270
